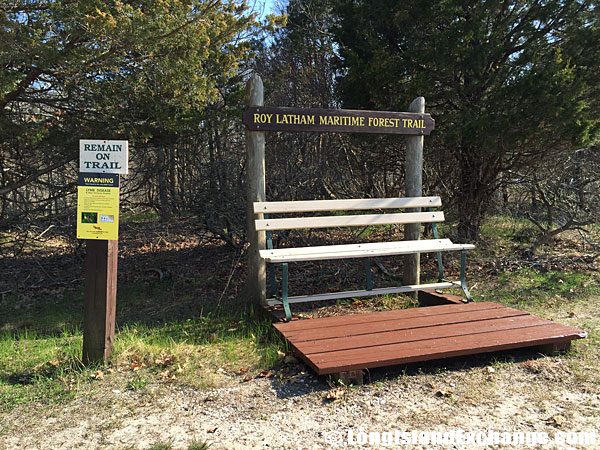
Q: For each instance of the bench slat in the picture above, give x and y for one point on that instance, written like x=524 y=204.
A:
x=363 y=293
x=369 y=250
x=348 y=221
x=345 y=204
x=352 y=247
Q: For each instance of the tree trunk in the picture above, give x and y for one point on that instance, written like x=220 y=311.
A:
x=471 y=212
x=476 y=189
x=163 y=195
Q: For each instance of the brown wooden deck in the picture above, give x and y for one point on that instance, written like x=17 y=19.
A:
x=361 y=341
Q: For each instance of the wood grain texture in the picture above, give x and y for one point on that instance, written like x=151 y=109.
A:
x=100 y=300
x=328 y=337
x=361 y=341
x=367 y=250
x=395 y=314
x=413 y=187
x=256 y=281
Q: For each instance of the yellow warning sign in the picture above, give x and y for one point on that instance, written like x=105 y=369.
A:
x=98 y=206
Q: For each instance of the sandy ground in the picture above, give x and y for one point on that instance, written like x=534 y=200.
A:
x=507 y=392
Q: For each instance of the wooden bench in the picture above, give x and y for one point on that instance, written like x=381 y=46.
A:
x=347 y=216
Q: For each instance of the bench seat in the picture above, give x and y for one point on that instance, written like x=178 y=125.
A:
x=367 y=250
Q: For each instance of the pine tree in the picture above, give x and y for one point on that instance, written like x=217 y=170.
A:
x=509 y=82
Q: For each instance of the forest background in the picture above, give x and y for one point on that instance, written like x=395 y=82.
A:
x=514 y=88
x=512 y=84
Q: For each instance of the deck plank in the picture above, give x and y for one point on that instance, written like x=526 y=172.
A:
x=360 y=341
x=377 y=341
x=407 y=352
x=327 y=322
x=419 y=323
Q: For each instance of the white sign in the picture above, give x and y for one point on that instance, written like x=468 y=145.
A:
x=104 y=156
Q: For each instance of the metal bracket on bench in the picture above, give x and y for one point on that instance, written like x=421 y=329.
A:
x=271 y=267
x=284 y=292
x=463 y=263
x=284 y=279
x=439 y=254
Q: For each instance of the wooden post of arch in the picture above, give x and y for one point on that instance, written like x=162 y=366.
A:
x=413 y=188
x=255 y=192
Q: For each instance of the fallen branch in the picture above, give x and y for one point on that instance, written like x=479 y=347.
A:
x=44 y=232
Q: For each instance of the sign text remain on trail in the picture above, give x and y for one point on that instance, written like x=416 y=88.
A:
x=103 y=156
x=337 y=120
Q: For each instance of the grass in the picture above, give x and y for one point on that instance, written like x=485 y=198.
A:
x=558 y=291
x=503 y=228
x=38 y=367
x=160 y=446
x=194 y=445
x=40 y=346
x=540 y=290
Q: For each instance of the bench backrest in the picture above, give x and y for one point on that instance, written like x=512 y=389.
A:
x=348 y=220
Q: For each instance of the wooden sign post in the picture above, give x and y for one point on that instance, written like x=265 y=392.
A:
x=100 y=300
x=256 y=286
x=100 y=162
x=413 y=187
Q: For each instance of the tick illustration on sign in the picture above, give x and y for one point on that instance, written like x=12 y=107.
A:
x=89 y=217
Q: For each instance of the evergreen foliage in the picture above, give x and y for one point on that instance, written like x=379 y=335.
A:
x=510 y=83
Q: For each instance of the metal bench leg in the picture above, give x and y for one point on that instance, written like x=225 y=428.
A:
x=284 y=292
x=272 y=283
x=440 y=267
x=463 y=282
x=439 y=254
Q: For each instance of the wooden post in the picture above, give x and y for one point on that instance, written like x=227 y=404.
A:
x=100 y=300
x=413 y=188
x=256 y=282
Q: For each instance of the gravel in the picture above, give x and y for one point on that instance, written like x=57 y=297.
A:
x=509 y=392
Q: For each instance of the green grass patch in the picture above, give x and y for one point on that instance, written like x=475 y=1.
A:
x=197 y=445
x=47 y=314
x=571 y=298
x=508 y=228
x=164 y=335
x=535 y=289
x=194 y=445
x=37 y=367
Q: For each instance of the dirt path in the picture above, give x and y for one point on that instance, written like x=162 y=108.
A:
x=517 y=391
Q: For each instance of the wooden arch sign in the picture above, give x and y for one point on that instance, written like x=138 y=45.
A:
x=337 y=121
x=258 y=119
